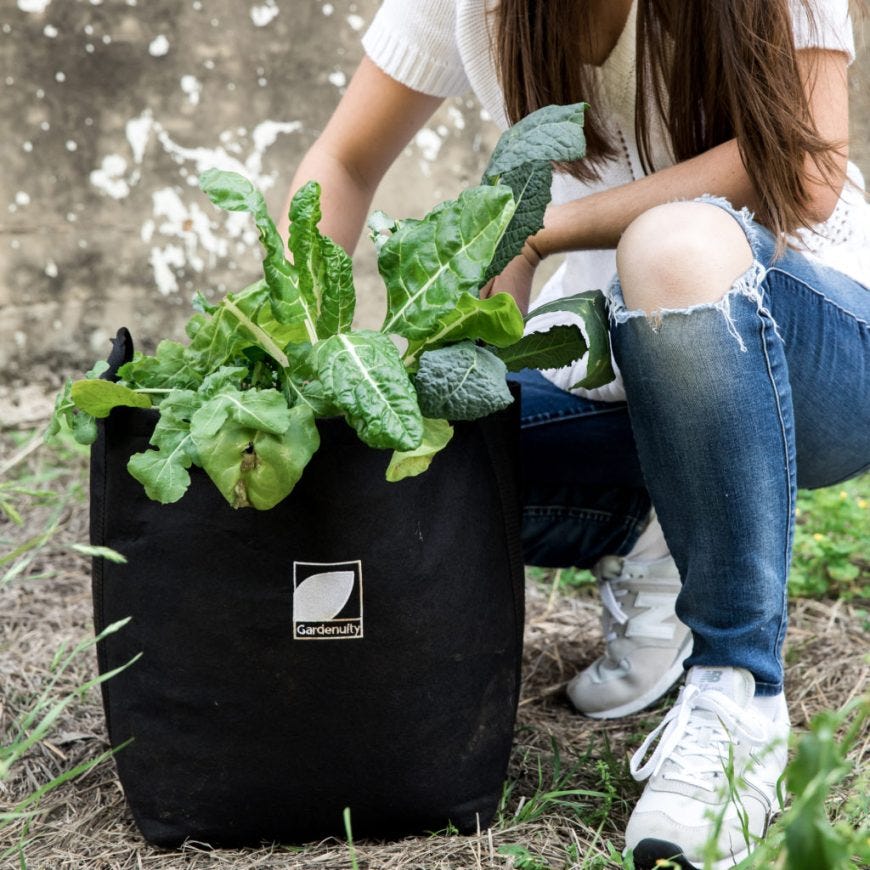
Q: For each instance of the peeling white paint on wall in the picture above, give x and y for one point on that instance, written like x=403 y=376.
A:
x=429 y=142
x=109 y=178
x=163 y=261
x=337 y=78
x=182 y=234
x=33 y=5
x=263 y=14
x=159 y=46
x=191 y=86
x=356 y=22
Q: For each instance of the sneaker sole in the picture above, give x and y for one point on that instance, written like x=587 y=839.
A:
x=648 y=853
x=665 y=682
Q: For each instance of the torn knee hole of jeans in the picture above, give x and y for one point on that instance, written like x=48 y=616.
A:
x=747 y=285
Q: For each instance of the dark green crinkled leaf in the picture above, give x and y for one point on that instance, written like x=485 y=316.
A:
x=496 y=320
x=554 y=133
x=461 y=382
x=592 y=309
x=410 y=463
x=531 y=184
x=557 y=347
x=365 y=378
x=428 y=264
x=258 y=469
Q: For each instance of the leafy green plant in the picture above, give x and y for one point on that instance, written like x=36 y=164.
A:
x=830 y=542
x=241 y=399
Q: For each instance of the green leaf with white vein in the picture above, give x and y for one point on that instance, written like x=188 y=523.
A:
x=259 y=469
x=163 y=472
x=461 y=382
x=363 y=375
x=171 y=367
x=263 y=410
x=339 y=296
x=324 y=268
x=427 y=265
x=410 y=463
x=554 y=133
x=291 y=302
x=496 y=320
x=591 y=308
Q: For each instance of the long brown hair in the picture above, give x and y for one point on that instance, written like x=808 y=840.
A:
x=733 y=74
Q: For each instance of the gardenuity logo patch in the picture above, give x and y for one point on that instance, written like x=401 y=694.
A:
x=327 y=600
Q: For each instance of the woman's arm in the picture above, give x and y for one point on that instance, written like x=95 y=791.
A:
x=598 y=220
x=373 y=122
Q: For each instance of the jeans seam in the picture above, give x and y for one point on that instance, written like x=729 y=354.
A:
x=783 y=617
x=559 y=416
x=567 y=512
x=851 y=315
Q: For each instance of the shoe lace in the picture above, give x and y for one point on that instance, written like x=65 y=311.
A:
x=612 y=614
x=694 y=739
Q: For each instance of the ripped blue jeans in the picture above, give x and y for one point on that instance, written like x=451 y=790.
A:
x=730 y=407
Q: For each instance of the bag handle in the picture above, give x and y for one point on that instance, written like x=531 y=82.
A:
x=121 y=352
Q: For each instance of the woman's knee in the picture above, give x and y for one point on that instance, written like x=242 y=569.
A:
x=679 y=255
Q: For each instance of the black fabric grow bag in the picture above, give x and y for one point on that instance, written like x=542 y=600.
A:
x=249 y=726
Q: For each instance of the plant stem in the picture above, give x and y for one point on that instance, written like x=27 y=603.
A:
x=261 y=335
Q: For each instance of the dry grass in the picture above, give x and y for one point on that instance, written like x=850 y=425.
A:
x=85 y=823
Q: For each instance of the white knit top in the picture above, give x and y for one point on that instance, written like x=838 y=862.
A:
x=442 y=47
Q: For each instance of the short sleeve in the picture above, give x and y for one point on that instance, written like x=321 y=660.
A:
x=826 y=25
x=415 y=43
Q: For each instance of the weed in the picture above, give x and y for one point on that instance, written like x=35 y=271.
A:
x=830 y=542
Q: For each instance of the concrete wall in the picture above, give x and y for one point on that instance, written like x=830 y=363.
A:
x=111 y=108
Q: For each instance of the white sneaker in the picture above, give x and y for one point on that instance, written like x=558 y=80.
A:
x=645 y=642
x=712 y=776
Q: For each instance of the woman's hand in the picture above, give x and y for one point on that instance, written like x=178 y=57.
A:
x=516 y=278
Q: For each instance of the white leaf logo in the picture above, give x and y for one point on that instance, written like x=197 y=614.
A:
x=322 y=596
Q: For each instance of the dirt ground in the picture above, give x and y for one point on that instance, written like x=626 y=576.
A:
x=85 y=824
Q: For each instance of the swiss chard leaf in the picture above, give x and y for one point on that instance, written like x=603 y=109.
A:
x=339 y=296
x=428 y=264
x=171 y=367
x=364 y=377
x=410 y=463
x=303 y=385
x=255 y=468
x=496 y=320
x=263 y=410
x=324 y=268
x=461 y=382
x=292 y=303
x=554 y=133
x=591 y=308
x=164 y=472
